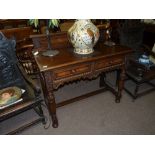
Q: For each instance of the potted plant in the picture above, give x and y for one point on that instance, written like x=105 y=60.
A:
x=49 y=22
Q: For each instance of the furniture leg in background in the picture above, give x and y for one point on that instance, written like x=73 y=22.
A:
x=102 y=79
x=120 y=83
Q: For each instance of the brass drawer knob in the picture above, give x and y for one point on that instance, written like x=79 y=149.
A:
x=73 y=71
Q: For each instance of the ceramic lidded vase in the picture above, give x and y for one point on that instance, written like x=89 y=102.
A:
x=83 y=35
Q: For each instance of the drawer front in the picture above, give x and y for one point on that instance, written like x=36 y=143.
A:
x=71 y=71
x=107 y=63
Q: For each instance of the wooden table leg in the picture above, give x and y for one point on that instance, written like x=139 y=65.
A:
x=47 y=85
x=120 y=79
x=52 y=108
x=117 y=77
x=102 y=79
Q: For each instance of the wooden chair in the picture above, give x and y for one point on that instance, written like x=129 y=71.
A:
x=13 y=75
x=131 y=34
x=24 y=48
x=31 y=100
x=140 y=74
x=26 y=59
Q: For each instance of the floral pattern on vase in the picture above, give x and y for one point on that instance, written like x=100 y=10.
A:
x=83 y=35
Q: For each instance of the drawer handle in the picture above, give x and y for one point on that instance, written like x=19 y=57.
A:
x=73 y=71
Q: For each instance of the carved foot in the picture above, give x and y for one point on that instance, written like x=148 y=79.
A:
x=43 y=120
x=54 y=121
x=117 y=100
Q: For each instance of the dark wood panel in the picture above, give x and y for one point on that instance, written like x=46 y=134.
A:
x=18 y=33
x=13 y=23
x=60 y=40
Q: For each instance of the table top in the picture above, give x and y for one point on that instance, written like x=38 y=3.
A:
x=67 y=56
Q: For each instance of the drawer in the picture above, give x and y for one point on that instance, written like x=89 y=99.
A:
x=71 y=71
x=107 y=63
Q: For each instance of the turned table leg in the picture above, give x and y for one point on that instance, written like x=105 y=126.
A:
x=47 y=85
x=52 y=108
x=102 y=79
x=120 y=83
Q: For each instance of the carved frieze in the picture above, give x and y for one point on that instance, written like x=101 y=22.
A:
x=87 y=75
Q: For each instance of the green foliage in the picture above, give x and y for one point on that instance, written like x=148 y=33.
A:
x=34 y=22
x=52 y=22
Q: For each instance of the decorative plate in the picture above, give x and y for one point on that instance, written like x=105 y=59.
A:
x=9 y=95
